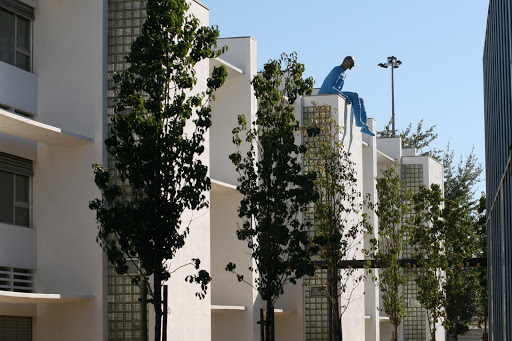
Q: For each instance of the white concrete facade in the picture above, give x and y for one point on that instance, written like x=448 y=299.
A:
x=65 y=97
x=61 y=129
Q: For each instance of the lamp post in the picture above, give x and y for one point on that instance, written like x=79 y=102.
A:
x=394 y=63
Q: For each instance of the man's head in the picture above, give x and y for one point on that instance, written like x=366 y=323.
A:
x=348 y=62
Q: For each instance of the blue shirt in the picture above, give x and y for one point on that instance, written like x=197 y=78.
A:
x=334 y=81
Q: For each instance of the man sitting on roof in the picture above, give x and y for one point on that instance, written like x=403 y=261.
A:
x=333 y=84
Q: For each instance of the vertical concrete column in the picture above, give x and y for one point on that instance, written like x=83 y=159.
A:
x=372 y=324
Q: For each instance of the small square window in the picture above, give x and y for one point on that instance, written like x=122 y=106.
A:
x=15 y=190
x=15 y=34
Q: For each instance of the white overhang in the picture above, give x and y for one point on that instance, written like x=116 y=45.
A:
x=282 y=312
x=226 y=308
x=26 y=128
x=219 y=187
x=30 y=298
x=384 y=159
x=230 y=68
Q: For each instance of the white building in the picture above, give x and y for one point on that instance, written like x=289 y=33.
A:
x=55 y=282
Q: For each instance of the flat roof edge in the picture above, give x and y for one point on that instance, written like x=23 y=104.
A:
x=201 y=4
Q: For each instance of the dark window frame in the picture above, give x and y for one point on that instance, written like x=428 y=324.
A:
x=19 y=168
x=21 y=12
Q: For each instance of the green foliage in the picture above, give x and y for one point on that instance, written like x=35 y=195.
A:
x=460 y=179
x=156 y=140
x=427 y=237
x=339 y=221
x=482 y=309
x=274 y=188
x=393 y=206
x=460 y=285
x=419 y=139
x=444 y=237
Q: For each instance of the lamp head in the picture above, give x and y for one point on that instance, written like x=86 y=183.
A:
x=392 y=61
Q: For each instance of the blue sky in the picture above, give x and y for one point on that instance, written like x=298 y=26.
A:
x=440 y=43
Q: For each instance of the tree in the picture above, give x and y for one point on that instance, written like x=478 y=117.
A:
x=339 y=221
x=460 y=180
x=274 y=188
x=393 y=205
x=482 y=310
x=460 y=285
x=420 y=139
x=156 y=139
x=427 y=238
x=444 y=238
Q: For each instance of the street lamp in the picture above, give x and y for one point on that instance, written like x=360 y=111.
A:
x=394 y=63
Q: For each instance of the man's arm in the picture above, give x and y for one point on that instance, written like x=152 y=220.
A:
x=338 y=85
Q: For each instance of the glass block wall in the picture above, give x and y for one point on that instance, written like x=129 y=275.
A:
x=415 y=319
x=316 y=304
x=412 y=176
x=316 y=308
x=124 y=317
x=125 y=19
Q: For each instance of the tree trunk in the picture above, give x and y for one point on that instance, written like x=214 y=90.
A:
x=164 y=317
x=485 y=336
x=144 y=310
x=395 y=333
x=157 y=304
x=432 y=326
x=332 y=304
x=269 y=322
x=336 y=325
x=262 y=325
x=456 y=324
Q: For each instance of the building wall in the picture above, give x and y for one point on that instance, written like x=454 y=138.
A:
x=353 y=319
x=70 y=95
x=65 y=89
x=371 y=290
x=69 y=88
x=235 y=97
x=498 y=139
x=225 y=289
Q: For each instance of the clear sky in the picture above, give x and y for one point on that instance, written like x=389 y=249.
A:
x=440 y=43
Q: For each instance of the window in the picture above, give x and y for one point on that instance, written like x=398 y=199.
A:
x=15 y=33
x=16 y=279
x=15 y=174
x=15 y=328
